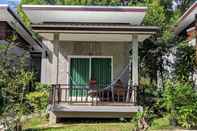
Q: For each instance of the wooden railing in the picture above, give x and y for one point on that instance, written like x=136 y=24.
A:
x=71 y=94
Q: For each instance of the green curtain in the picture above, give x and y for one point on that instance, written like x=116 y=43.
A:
x=101 y=71
x=79 y=76
x=79 y=73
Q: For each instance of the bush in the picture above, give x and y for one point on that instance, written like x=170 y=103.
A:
x=38 y=100
x=180 y=102
x=161 y=123
x=42 y=87
x=142 y=120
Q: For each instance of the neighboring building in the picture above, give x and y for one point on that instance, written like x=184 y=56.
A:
x=187 y=25
x=87 y=58
x=11 y=24
x=187 y=28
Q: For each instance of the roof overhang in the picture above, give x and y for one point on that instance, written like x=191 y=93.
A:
x=89 y=23
x=186 y=19
x=95 y=32
x=7 y=15
x=85 y=14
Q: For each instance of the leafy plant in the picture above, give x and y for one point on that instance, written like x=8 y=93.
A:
x=142 y=120
x=185 y=62
x=41 y=87
x=180 y=102
x=161 y=123
x=14 y=80
x=38 y=100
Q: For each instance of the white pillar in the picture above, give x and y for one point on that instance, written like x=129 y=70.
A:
x=56 y=57
x=133 y=69
x=43 y=67
x=135 y=81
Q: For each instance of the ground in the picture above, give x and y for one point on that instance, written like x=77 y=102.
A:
x=41 y=124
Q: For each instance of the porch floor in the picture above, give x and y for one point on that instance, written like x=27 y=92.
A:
x=64 y=110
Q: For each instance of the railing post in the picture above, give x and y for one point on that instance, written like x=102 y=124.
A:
x=132 y=95
x=59 y=94
x=53 y=94
x=138 y=95
x=50 y=99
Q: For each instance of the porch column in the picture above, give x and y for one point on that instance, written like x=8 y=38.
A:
x=135 y=81
x=43 y=68
x=56 y=53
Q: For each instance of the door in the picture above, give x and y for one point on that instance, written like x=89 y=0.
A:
x=79 y=76
x=82 y=69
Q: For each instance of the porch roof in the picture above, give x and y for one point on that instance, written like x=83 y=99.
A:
x=11 y=18
x=95 y=31
x=87 y=14
x=108 y=27
x=89 y=23
x=186 y=19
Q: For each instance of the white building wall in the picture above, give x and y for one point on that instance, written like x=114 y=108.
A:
x=119 y=52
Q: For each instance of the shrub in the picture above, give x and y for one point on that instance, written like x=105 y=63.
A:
x=142 y=120
x=38 y=100
x=41 y=87
x=180 y=102
x=161 y=123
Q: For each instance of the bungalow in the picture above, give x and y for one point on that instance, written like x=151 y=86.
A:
x=91 y=52
x=11 y=24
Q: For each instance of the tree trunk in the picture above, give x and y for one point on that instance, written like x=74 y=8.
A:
x=18 y=126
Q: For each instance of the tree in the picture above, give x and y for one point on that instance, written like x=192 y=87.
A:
x=14 y=80
x=185 y=63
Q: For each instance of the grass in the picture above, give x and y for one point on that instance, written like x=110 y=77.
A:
x=161 y=123
x=41 y=124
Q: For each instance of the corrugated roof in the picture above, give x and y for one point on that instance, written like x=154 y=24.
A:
x=87 y=14
x=7 y=15
x=186 y=19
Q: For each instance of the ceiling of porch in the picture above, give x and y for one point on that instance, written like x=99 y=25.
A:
x=94 y=32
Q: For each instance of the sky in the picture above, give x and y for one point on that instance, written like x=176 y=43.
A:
x=8 y=1
x=12 y=3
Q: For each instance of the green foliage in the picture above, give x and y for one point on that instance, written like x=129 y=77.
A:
x=155 y=14
x=161 y=123
x=185 y=61
x=14 y=80
x=39 y=100
x=143 y=119
x=41 y=87
x=23 y=16
x=180 y=101
x=2 y=47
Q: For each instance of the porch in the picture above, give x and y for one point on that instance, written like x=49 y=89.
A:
x=80 y=101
